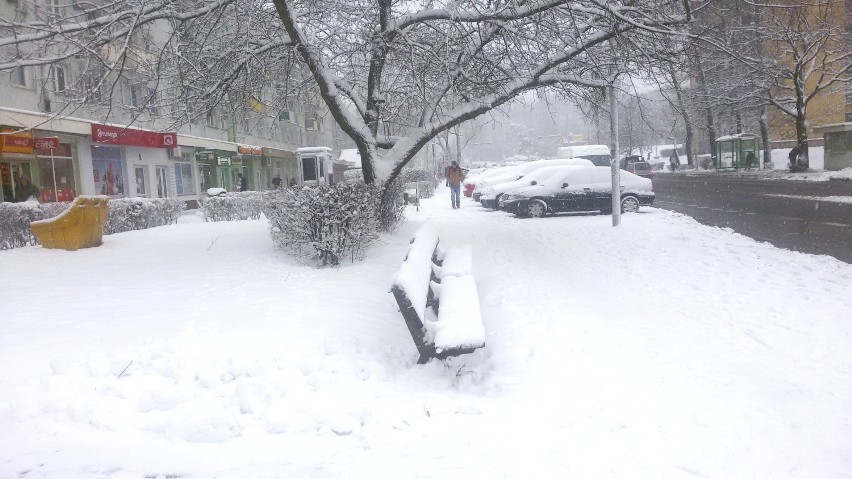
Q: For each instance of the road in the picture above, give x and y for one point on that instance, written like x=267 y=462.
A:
x=781 y=212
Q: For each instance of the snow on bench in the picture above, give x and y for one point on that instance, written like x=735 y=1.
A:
x=437 y=296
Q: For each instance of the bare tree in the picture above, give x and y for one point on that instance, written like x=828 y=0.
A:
x=394 y=75
x=807 y=55
x=747 y=56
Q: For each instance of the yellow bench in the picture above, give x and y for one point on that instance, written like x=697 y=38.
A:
x=80 y=226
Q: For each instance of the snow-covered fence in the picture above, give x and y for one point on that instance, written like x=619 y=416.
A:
x=125 y=214
x=437 y=296
x=232 y=207
x=323 y=224
x=129 y=214
x=421 y=180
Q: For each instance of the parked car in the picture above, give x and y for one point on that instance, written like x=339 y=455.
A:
x=491 y=194
x=471 y=181
x=640 y=168
x=519 y=171
x=581 y=189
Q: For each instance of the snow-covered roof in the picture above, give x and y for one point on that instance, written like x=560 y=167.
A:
x=581 y=150
x=314 y=149
x=748 y=136
x=349 y=157
x=834 y=127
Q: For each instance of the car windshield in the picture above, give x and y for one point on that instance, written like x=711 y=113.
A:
x=598 y=160
x=641 y=166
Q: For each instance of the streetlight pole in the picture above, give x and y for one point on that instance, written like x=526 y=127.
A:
x=615 y=164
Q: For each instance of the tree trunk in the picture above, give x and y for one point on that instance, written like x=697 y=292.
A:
x=764 y=137
x=803 y=160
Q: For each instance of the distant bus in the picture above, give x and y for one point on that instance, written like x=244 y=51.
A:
x=597 y=154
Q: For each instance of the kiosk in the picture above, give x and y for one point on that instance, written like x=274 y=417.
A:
x=314 y=165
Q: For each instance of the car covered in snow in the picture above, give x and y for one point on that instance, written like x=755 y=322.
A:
x=581 y=189
x=491 y=194
x=517 y=172
x=470 y=180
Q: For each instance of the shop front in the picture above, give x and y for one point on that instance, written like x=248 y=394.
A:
x=33 y=165
x=249 y=159
x=280 y=164
x=133 y=163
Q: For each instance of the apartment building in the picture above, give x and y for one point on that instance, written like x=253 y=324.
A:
x=71 y=130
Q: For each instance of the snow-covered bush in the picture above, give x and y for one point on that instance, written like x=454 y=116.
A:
x=323 y=224
x=233 y=207
x=125 y=214
x=129 y=214
x=391 y=211
x=15 y=219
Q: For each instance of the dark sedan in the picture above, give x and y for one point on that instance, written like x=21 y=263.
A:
x=584 y=189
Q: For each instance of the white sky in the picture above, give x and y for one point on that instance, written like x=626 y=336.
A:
x=658 y=349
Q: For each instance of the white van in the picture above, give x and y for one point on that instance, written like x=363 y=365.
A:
x=597 y=154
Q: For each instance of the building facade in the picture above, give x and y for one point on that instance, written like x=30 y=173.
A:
x=70 y=133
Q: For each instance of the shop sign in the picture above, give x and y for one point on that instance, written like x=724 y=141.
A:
x=237 y=160
x=223 y=160
x=249 y=150
x=117 y=135
x=12 y=141
x=47 y=143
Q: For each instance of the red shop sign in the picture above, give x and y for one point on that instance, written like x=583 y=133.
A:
x=50 y=142
x=116 y=135
x=249 y=150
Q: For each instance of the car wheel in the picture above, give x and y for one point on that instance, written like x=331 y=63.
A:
x=629 y=204
x=536 y=209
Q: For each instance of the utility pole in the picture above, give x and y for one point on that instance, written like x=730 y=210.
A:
x=615 y=165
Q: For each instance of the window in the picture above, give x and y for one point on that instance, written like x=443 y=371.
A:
x=56 y=173
x=210 y=118
x=19 y=76
x=46 y=106
x=285 y=115
x=130 y=95
x=58 y=79
x=183 y=178
x=90 y=85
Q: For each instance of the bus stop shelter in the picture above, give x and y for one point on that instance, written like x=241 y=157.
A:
x=740 y=151
x=838 y=145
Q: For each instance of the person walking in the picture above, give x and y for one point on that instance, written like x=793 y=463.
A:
x=674 y=160
x=455 y=175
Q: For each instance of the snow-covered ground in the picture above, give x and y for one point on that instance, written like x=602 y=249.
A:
x=198 y=351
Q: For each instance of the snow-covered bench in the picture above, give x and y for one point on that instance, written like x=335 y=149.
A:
x=437 y=296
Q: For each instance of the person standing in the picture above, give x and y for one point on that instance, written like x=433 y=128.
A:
x=455 y=175
x=25 y=190
x=242 y=183
x=674 y=160
x=793 y=156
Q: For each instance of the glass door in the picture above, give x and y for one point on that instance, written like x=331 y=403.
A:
x=141 y=174
x=16 y=181
x=162 y=182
